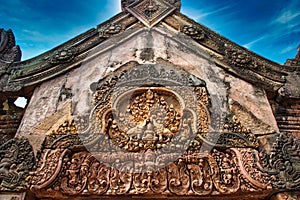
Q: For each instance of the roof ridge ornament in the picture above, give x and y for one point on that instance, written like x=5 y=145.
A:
x=126 y=3
x=150 y=12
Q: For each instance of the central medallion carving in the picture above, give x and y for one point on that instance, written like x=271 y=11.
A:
x=146 y=118
x=150 y=107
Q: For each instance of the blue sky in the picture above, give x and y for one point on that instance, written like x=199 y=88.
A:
x=269 y=28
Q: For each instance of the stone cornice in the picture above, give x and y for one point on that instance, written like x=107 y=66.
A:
x=225 y=53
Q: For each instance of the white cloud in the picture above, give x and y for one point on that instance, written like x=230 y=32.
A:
x=198 y=14
x=287 y=17
x=289 y=13
x=250 y=44
x=287 y=49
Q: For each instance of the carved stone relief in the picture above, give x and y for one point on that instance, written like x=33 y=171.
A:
x=16 y=162
x=150 y=107
x=148 y=132
x=282 y=164
x=150 y=12
x=126 y=3
x=63 y=55
x=193 y=31
x=110 y=29
x=9 y=51
x=81 y=173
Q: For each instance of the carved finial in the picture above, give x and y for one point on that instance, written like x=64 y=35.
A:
x=126 y=3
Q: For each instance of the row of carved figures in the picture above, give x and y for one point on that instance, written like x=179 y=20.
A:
x=71 y=171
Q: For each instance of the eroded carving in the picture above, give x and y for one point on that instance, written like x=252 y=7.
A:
x=238 y=57
x=16 y=162
x=141 y=117
x=85 y=174
x=9 y=51
x=193 y=31
x=63 y=55
x=247 y=138
x=150 y=12
x=110 y=29
x=282 y=164
x=126 y=3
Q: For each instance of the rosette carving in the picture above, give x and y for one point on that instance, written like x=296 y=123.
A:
x=63 y=55
x=193 y=31
x=238 y=58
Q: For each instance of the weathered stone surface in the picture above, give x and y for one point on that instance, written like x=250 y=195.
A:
x=9 y=51
x=255 y=104
x=171 y=111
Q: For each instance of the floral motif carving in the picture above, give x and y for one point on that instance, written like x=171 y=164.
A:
x=16 y=162
x=193 y=31
x=84 y=174
x=282 y=164
x=247 y=138
x=238 y=57
x=150 y=117
x=63 y=55
x=110 y=29
x=150 y=12
x=126 y=3
x=253 y=177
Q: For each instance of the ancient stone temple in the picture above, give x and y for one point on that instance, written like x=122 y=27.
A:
x=150 y=104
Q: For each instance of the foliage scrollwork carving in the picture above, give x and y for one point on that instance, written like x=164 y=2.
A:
x=282 y=164
x=81 y=173
x=16 y=162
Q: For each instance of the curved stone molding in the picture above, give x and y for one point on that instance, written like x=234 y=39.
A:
x=16 y=162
